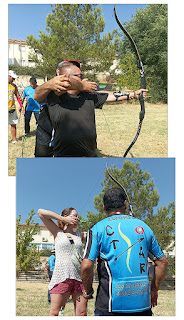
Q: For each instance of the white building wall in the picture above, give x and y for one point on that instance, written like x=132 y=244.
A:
x=18 y=53
x=44 y=239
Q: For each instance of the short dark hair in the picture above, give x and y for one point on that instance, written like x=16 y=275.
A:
x=65 y=62
x=114 y=199
x=32 y=80
x=62 y=63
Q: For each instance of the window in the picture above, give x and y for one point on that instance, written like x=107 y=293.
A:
x=47 y=246
x=22 y=48
x=23 y=63
x=10 y=61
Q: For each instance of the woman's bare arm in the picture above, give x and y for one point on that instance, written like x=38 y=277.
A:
x=48 y=216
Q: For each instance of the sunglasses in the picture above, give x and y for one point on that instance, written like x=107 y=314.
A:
x=79 y=75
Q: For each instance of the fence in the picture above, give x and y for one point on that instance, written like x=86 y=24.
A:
x=42 y=276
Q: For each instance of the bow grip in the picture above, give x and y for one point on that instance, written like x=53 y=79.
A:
x=142 y=112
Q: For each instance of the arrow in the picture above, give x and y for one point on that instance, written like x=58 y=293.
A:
x=138 y=241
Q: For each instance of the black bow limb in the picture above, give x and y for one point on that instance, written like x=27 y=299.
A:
x=143 y=81
x=130 y=209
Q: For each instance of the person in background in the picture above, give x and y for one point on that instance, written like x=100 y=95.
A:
x=66 y=278
x=32 y=106
x=122 y=243
x=12 y=113
x=50 y=269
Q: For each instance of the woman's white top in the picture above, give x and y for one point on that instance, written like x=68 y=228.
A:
x=64 y=268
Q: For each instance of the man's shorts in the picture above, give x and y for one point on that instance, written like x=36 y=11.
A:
x=69 y=285
x=13 y=118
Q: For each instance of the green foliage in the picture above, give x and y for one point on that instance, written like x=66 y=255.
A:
x=163 y=225
x=32 y=72
x=45 y=253
x=73 y=32
x=130 y=77
x=171 y=266
x=26 y=253
x=148 y=28
x=138 y=184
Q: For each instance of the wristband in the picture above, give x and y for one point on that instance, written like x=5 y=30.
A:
x=118 y=94
x=87 y=296
x=128 y=95
x=19 y=102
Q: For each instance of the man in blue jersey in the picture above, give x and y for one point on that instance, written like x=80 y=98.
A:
x=32 y=105
x=122 y=243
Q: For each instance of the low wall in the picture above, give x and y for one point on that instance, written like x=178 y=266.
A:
x=23 y=81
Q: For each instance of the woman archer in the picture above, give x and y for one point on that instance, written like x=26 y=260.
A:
x=66 y=279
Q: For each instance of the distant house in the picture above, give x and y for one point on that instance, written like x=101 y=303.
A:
x=43 y=239
x=18 y=53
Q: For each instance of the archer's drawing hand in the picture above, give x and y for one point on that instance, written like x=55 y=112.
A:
x=70 y=220
x=89 y=86
x=59 y=84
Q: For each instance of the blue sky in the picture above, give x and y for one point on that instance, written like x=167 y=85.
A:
x=73 y=182
x=26 y=19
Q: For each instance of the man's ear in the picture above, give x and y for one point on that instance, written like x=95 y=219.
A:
x=57 y=72
x=104 y=209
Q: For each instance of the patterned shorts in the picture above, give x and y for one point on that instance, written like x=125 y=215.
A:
x=69 y=285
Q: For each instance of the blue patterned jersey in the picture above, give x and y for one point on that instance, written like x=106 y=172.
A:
x=121 y=244
x=32 y=104
x=51 y=262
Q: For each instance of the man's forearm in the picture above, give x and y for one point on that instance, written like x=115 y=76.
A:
x=41 y=92
x=159 y=272
x=87 y=275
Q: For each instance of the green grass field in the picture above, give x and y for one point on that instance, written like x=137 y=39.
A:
x=115 y=132
x=31 y=300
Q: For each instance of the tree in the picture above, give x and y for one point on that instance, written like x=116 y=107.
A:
x=144 y=197
x=26 y=253
x=73 y=32
x=148 y=28
x=130 y=76
x=162 y=223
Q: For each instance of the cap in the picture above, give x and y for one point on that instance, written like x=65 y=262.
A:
x=75 y=62
x=12 y=74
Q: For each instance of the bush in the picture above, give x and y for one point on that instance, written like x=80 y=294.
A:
x=30 y=71
x=45 y=253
